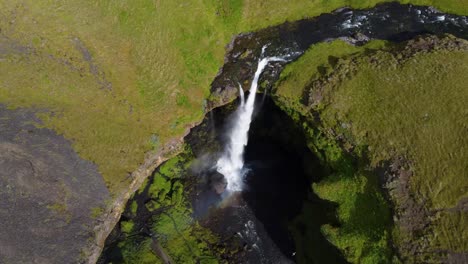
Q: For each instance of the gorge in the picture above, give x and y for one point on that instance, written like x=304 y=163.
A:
x=233 y=131
x=251 y=224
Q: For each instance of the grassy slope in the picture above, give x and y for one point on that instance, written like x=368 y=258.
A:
x=159 y=57
x=417 y=110
x=319 y=59
x=363 y=212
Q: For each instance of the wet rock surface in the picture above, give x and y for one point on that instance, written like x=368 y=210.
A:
x=411 y=212
x=389 y=21
x=47 y=193
x=255 y=224
x=252 y=226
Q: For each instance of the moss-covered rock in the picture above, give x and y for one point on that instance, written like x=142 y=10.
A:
x=392 y=119
x=158 y=222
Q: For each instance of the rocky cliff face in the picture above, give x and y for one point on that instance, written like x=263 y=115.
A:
x=374 y=199
x=426 y=225
x=51 y=197
x=389 y=21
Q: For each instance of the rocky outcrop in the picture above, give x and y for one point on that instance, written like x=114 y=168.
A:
x=416 y=220
x=115 y=210
x=48 y=194
x=291 y=39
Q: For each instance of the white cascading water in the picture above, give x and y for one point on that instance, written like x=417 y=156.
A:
x=232 y=162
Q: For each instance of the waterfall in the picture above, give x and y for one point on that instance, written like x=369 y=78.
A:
x=232 y=162
x=241 y=93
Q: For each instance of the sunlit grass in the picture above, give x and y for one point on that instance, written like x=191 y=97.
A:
x=415 y=109
x=318 y=60
x=159 y=57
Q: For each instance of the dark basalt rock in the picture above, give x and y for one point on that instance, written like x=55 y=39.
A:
x=47 y=193
x=388 y=21
x=236 y=218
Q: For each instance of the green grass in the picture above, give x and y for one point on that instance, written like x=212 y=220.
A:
x=415 y=109
x=451 y=231
x=159 y=57
x=396 y=106
x=319 y=60
x=159 y=60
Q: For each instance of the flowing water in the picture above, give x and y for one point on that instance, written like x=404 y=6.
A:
x=270 y=177
x=231 y=164
x=390 y=21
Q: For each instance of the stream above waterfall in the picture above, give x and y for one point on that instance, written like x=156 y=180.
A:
x=388 y=21
x=256 y=222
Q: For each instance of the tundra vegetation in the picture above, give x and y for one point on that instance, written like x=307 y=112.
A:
x=116 y=75
x=401 y=109
x=122 y=78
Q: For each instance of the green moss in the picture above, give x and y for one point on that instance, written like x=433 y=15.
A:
x=60 y=208
x=138 y=252
x=159 y=188
x=180 y=236
x=177 y=192
x=134 y=207
x=151 y=64
x=152 y=205
x=171 y=168
x=126 y=226
x=165 y=189
x=391 y=105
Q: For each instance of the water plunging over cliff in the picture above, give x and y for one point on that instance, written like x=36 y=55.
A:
x=231 y=164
